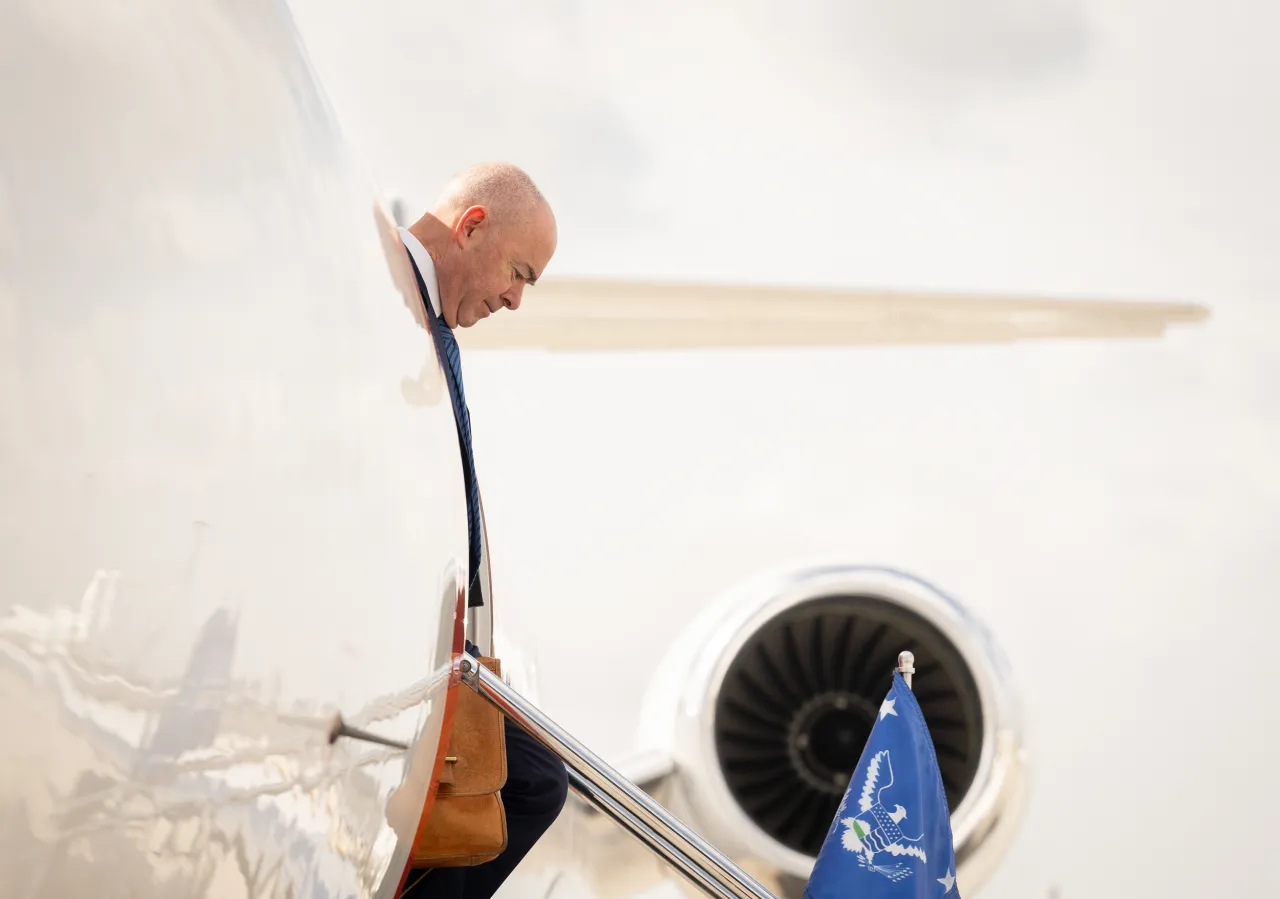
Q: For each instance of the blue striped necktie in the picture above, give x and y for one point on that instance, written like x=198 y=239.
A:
x=454 y=360
x=448 y=348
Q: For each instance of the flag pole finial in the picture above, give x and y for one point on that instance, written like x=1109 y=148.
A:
x=906 y=666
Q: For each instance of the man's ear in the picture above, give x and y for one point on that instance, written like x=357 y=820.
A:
x=473 y=219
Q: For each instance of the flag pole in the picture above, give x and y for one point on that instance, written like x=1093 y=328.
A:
x=906 y=666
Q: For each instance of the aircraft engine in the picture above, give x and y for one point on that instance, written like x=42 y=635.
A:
x=765 y=702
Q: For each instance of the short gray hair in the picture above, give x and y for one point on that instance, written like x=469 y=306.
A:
x=505 y=189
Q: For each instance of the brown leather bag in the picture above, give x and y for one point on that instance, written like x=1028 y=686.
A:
x=467 y=824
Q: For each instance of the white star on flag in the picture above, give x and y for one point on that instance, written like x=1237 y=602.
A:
x=948 y=882
x=887 y=708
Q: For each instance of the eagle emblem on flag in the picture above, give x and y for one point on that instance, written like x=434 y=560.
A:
x=877 y=830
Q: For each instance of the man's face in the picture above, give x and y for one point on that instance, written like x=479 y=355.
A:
x=492 y=263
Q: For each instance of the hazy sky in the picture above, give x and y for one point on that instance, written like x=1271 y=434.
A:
x=848 y=142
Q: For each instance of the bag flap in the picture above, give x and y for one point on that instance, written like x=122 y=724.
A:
x=477 y=748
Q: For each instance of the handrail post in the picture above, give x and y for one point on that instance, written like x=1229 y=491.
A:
x=640 y=814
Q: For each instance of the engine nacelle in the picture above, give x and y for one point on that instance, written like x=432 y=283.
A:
x=766 y=700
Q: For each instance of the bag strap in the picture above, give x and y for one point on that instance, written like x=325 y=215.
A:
x=421 y=874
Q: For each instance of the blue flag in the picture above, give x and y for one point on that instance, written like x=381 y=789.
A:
x=891 y=837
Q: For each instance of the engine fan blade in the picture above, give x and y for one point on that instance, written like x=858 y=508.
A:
x=581 y=314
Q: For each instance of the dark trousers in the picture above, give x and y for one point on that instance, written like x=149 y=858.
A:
x=535 y=791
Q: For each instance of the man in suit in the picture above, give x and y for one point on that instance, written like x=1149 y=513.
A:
x=490 y=235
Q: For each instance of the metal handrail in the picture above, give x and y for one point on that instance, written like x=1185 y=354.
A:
x=644 y=818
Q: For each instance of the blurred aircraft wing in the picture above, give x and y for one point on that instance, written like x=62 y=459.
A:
x=590 y=314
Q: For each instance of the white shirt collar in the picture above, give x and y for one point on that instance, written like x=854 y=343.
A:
x=426 y=267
